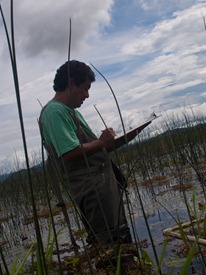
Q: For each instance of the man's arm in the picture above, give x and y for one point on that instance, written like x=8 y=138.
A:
x=105 y=140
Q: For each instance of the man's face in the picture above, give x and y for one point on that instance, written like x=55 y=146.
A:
x=80 y=93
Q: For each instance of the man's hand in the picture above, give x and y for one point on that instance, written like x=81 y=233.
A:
x=106 y=140
x=107 y=137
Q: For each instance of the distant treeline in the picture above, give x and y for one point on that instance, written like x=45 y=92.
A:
x=166 y=142
x=191 y=138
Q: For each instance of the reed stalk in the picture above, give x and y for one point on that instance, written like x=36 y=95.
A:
x=12 y=51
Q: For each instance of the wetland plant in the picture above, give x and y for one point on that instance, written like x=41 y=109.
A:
x=144 y=161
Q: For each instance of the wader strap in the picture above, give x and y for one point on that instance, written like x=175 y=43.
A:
x=118 y=174
x=50 y=165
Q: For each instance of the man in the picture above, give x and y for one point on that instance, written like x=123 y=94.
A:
x=82 y=157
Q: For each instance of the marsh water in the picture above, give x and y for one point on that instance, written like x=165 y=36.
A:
x=163 y=202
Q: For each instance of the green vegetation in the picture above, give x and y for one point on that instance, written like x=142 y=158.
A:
x=152 y=160
x=173 y=161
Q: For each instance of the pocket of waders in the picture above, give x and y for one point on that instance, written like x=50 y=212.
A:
x=119 y=176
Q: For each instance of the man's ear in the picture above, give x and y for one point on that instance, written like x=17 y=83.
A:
x=71 y=82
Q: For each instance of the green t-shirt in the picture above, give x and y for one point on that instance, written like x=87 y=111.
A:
x=59 y=128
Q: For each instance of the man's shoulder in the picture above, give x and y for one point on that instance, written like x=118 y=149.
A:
x=53 y=110
x=53 y=104
x=54 y=107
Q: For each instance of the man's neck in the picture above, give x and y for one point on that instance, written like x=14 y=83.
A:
x=63 y=97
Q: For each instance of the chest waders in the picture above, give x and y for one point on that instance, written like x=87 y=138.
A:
x=95 y=190
x=92 y=184
x=55 y=177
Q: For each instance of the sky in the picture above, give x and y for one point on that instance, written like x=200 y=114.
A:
x=152 y=53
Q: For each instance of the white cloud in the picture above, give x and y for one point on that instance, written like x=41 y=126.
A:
x=42 y=27
x=157 y=64
x=169 y=35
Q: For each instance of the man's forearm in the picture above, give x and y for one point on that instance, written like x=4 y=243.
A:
x=80 y=151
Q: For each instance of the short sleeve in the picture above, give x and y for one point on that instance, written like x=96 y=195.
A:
x=60 y=131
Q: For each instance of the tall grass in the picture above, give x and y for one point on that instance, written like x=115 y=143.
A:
x=169 y=157
x=26 y=193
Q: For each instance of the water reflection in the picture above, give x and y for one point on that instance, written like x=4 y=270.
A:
x=162 y=211
x=162 y=204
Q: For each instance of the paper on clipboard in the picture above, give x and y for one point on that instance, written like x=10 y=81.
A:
x=138 y=129
x=152 y=117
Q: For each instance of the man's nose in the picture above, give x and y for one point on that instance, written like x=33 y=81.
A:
x=86 y=94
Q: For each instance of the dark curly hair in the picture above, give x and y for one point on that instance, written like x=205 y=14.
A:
x=78 y=71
